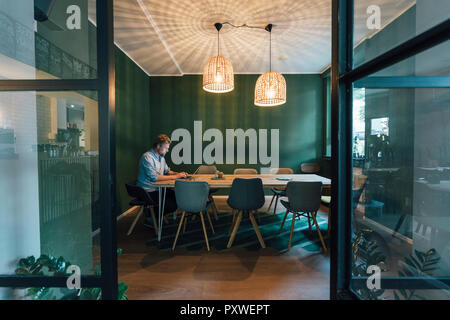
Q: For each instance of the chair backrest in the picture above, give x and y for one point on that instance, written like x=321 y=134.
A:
x=310 y=167
x=191 y=196
x=137 y=192
x=246 y=194
x=281 y=171
x=206 y=170
x=245 y=171
x=304 y=196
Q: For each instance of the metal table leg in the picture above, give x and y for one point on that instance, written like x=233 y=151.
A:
x=162 y=194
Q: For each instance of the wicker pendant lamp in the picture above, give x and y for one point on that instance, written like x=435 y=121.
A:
x=218 y=76
x=270 y=89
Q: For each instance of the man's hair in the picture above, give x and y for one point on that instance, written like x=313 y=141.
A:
x=161 y=139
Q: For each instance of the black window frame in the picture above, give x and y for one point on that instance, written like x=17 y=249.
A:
x=343 y=78
x=326 y=78
x=105 y=86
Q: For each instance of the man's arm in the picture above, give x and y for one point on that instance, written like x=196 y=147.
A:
x=153 y=174
x=174 y=176
x=168 y=172
x=171 y=173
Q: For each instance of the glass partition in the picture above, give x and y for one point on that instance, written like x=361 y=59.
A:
x=50 y=182
x=380 y=25
x=401 y=175
x=48 y=39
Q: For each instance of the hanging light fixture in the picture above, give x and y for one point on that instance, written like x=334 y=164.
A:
x=270 y=89
x=218 y=76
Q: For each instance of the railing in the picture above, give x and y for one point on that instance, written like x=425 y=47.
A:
x=66 y=185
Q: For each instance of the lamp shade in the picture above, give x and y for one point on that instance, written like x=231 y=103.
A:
x=218 y=76
x=270 y=90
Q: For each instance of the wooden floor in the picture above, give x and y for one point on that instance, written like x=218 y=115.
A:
x=235 y=274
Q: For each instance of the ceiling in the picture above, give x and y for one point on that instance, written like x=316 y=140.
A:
x=176 y=37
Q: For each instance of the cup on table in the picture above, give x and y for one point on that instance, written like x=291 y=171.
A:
x=220 y=175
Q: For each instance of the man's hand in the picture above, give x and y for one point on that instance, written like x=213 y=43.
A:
x=181 y=175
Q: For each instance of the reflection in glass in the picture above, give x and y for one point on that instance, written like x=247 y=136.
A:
x=49 y=185
x=47 y=39
x=46 y=293
x=381 y=25
x=401 y=186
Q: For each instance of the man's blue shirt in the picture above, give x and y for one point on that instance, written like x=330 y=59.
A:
x=151 y=165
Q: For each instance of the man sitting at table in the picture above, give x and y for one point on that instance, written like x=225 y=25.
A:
x=153 y=168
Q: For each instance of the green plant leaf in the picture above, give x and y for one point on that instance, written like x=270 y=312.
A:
x=22 y=271
x=404 y=294
x=122 y=288
x=429 y=270
x=420 y=255
x=412 y=263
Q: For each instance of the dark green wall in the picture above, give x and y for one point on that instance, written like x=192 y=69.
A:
x=132 y=122
x=176 y=102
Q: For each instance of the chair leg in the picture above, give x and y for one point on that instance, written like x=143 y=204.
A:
x=309 y=223
x=276 y=203
x=216 y=216
x=185 y=223
x=135 y=221
x=204 y=230
x=271 y=202
x=232 y=222
x=236 y=226
x=258 y=233
x=155 y=226
x=178 y=231
x=292 y=231
x=210 y=222
x=284 y=219
x=318 y=231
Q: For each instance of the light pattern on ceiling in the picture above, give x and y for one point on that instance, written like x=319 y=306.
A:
x=175 y=37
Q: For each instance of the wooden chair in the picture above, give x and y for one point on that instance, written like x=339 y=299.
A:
x=210 y=170
x=278 y=192
x=143 y=200
x=246 y=196
x=240 y=171
x=310 y=167
x=303 y=200
x=192 y=198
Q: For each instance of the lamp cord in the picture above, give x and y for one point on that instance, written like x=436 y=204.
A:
x=270 y=69
x=242 y=26
x=253 y=27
